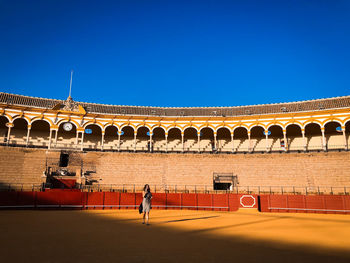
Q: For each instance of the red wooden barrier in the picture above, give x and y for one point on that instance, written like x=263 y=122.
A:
x=111 y=200
x=94 y=200
x=204 y=201
x=128 y=200
x=189 y=201
x=173 y=201
x=159 y=201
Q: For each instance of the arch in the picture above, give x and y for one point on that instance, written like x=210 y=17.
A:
x=313 y=122
x=332 y=120
x=294 y=137
x=206 y=126
x=174 y=139
x=257 y=125
x=27 y=119
x=275 y=124
x=191 y=139
x=257 y=138
x=92 y=123
x=75 y=123
x=109 y=125
x=313 y=134
x=158 y=126
x=223 y=139
x=207 y=143
x=333 y=138
x=39 y=119
x=313 y=126
x=190 y=126
x=241 y=126
x=19 y=131
x=66 y=139
x=110 y=137
x=295 y=123
x=39 y=132
x=275 y=141
x=3 y=128
x=93 y=140
x=143 y=125
x=158 y=138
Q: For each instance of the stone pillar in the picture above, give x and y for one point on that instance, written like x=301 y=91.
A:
x=102 y=140
x=166 y=142
x=135 y=135
x=76 y=139
x=119 y=134
x=324 y=143
x=286 y=146
x=199 y=141
x=267 y=140
x=82 y=141
x=9 y=126
x=182 y=141
x=233 y=147
x=249 y=143
x=304 y=139
x=344 y=138
x=150 y=142
x=50 y=139
x=56 y=134
x=215 y=142
x=28 y=134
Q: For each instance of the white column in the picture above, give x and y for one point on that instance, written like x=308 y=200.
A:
x=199 y=141
x=233 y=147
x=150 y=142
x=82 y=141
x=324 y=144
x=8 y=134
x=76 y=138
x=56 y=133
x=344 y=138
x=50 y=138
x=135 y=134
x=119 y=133
x=249 y=142
x=102 y=140
x=267 y=140
x=166 y=142
x=286 y=146
x=215 y=142
x=28 y=134
x=304 y=139
x=182 y=141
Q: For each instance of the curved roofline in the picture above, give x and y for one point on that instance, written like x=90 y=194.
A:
x=180 y=107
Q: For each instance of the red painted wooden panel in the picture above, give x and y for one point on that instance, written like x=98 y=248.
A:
x=264 y=203
x=70 y=198
x=173 y=201
x=347 y=203
x=8 y=198
x=111 y=199
x=334 y=202
x=25 y=198
x=296 y=201
x=94 y=199
x=158 y=199
x=315 y=202
x=248 y=201
x=189 y=201
x=127 y=201
x=139 y=198
x=204 y=201
x=278 y=201
x=220 y=200
x=233 y=202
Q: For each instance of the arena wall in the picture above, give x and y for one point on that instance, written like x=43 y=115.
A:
x=21 y=165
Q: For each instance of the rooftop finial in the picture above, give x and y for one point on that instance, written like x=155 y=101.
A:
x=70 y=86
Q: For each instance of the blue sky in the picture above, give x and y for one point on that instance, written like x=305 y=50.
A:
x=176 y=53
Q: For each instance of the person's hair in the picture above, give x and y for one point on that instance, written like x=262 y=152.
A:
x=146 y=188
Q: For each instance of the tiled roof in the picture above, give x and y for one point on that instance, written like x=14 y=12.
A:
x=301 y=106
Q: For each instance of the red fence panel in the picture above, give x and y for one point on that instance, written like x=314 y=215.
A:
x=297 y=202
x=26 y=199
x=8 y=199
x=204 y=201
x=189 y=201
x=111 y=200
x=334 y=203
x=159 y=201
x=94 y=200
x=220 y=202
x=314 y=204
x=277 y=203
x=248 y=201
x=173 y=201
x=233 y=202
x=127 y=200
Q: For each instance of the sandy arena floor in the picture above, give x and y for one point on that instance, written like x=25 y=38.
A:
x=173 y=236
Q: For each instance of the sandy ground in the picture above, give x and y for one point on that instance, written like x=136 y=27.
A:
x=172 y=236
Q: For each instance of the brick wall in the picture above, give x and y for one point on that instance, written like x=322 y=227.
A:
x=295 y=169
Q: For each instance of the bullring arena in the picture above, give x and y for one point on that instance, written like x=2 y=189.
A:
x=264 y=183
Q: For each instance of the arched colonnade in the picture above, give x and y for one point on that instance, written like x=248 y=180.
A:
x=293 y=136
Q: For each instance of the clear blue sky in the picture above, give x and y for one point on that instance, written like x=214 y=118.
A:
x=176 y=53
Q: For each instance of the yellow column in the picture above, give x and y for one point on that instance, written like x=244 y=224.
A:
x=135 y=134
x=344 y=138
x=119 y=133
x=267 y=140
x=304 y=139
x=28 y=134
x=166 y=142
x=9 y=126
x=286 y=146
x=150 y=142
x=199 y=141
x=102 y=140
x=324 y=143
x=249 y=142
x=233 y=147
x=182 y=141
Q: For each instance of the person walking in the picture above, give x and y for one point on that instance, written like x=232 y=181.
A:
x=146 y=203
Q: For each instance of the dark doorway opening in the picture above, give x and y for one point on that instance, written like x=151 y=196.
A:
x=64 y=160
x=222 y=186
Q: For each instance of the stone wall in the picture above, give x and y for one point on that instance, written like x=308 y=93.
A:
x=21 y=165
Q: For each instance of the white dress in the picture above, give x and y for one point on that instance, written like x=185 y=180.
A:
x=146 y=202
